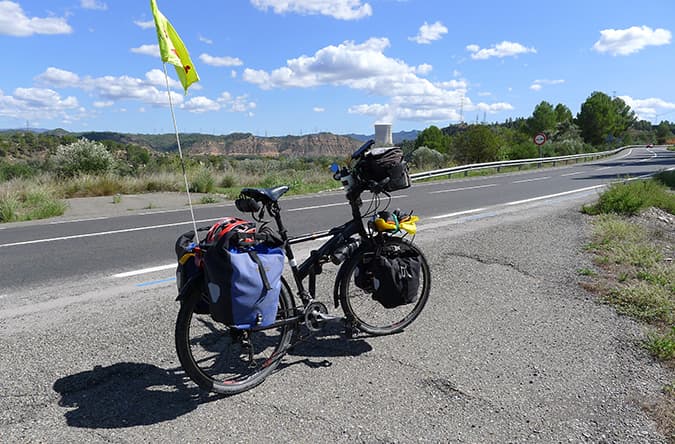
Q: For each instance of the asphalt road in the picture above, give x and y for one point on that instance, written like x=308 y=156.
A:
x=37 y=253
x=509 y=349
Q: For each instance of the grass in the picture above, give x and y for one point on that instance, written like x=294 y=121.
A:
x=629 y=198
x=637 y=274
x=662 y=345
x=33 y=201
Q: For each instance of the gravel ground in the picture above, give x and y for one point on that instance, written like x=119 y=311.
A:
x=509 y=349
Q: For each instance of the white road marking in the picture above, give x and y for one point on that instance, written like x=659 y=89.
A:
x=649 y=158
x=318 y=206
x=571 y=174
x=532 y=180
x=550 y=196
x=459 y=213
x=603 y=168
x=465 y=188
x=144 y=271
x=57 y=222
x=103 y=233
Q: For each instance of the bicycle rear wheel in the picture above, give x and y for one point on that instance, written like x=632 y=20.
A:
x=367 y=314
x=226 y=360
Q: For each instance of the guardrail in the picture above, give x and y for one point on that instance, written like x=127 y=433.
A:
x=520 y=162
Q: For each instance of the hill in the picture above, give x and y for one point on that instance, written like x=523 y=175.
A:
x=397 y=137
x=236 y=144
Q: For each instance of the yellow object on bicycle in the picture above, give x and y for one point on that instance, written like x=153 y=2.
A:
x=407 y=224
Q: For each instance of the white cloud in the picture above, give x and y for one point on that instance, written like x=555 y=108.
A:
x=537 y=85
x=200 y=104
x=93 y=4
x=58 y=78
x=151 y=50
x=339 y=9
x=650 y=108
x=503 y=49
x=157 y=78
x=205 y=40
x=145 y=25
x=423 y=69
x=37 y=103
x=109 y=88
x=220 y=61
x=630 y=40
x=365 y=67
x=318 y=109
x=14 y=22
x=100 y=104
x=428 y=33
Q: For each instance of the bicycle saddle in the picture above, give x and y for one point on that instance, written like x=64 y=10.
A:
x=265 y=194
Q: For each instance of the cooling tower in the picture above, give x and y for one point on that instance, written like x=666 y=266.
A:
x=383 y=134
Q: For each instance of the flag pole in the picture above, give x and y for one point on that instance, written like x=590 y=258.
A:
x=180 y=153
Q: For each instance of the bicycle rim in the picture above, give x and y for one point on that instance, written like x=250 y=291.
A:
x=367 y=314
x=225 y=360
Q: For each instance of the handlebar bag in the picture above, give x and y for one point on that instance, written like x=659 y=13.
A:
x=243 y=283
x=386 y=162
x=393 y=281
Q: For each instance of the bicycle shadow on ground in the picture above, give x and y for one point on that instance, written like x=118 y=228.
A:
x=126 y=394
x=328 y=342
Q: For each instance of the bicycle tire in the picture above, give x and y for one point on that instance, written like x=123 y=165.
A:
x=212 y=353
x=368 y=315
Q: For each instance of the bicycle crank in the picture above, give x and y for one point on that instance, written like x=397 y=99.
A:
x=316 y=315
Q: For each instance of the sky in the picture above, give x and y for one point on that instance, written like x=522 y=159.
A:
x=293 y=67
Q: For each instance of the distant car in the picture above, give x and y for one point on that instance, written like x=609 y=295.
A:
x=650 y=145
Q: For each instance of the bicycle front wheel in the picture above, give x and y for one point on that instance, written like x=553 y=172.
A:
x=227 y=360
x=362 y=310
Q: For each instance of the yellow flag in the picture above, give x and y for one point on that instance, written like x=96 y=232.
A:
x=172 y=49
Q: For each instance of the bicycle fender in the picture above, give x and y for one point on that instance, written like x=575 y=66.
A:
x=338 y=278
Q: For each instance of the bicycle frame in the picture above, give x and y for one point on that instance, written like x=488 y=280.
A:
x=311 y=265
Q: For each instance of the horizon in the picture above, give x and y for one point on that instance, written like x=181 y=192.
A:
x=94 y=65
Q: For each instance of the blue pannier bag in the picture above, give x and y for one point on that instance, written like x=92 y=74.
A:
x=243 y=282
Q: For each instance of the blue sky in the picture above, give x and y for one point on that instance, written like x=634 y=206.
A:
x=278 y=67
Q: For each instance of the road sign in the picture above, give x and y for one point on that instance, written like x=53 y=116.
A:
x=540 y=139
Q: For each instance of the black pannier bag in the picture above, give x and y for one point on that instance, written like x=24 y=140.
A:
x=188 y=268
x=380 y=163
x=393 y=281
x=243 y=282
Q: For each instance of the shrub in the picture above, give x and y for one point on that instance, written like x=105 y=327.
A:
x=424 y=157
x=629 y=198
x=667 y=178
x=9 y=206
x=82 y=157
x=203 y=182
x=227 y=181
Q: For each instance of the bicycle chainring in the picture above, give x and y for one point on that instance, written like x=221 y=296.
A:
x=316 y=315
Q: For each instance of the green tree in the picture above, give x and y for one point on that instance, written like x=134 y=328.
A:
x=562 y=114
x=543 y=119
x=433 y=138
x=478 y=143
x=602 y=118
x=663 y=132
